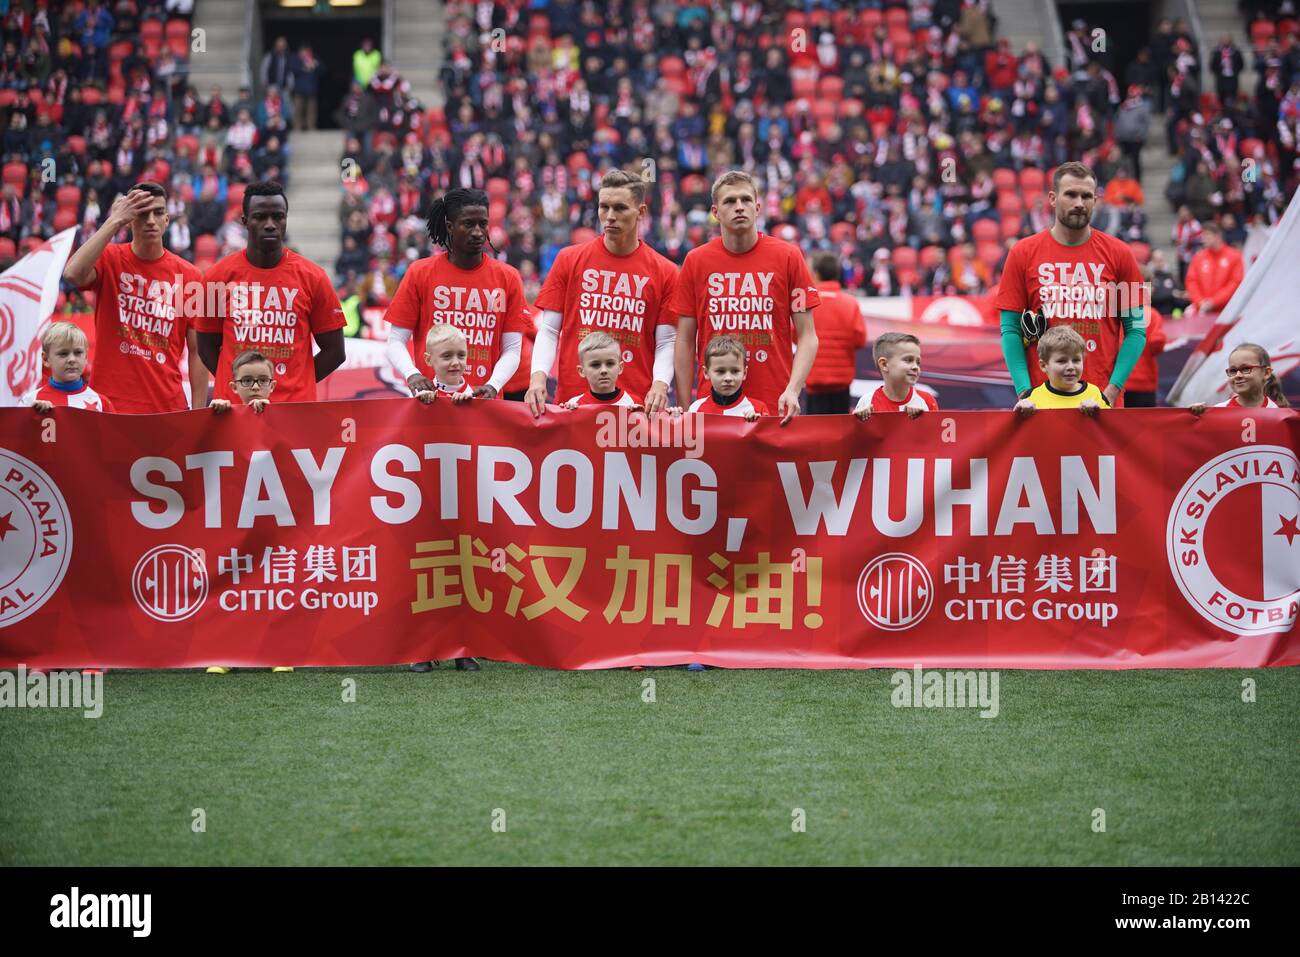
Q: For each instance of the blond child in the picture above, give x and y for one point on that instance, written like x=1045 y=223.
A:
x=600 y=362
x=64 y=354
x=724 y=364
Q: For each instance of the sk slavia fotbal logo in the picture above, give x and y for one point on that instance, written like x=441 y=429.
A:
x=35 y=537
x=170 y=582
x=1234 y=540
x=895 y=591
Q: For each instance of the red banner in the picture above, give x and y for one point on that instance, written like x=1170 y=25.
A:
x=386 y=531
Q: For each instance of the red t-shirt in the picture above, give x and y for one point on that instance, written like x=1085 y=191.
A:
x=749 y=296
x=742 y=406
x=81 y=398
x=141 y=323
x=485 y=303
x=877 y=401
x=274 y=311
x=1076 y=286
x=624 y=296
x=588 y=398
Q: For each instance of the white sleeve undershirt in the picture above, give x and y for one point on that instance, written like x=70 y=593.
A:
x=397 y=352
x=548 y=339
x=508 y=362
x=665 y=343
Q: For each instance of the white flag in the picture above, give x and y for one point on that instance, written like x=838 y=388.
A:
x=1265 y=309
x=28 y=291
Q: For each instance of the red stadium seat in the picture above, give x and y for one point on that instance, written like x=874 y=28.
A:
x=905 y=257
x=805 y=87
x=235 y=196
x=870 y=19
x=989 y=252
x=1261 y=31
x=931 y=256
x=1032 y=180
x=177 y=27
x=539 y=23
x=908 y=277
x=117 y=93
x=1009 y=204
x=151 y=46
x=120 y=50
x=7 y=97
x=36 y=95
x=1011 y=224
x=498 y=188
x=151 y=29
x=14 y=174
x=897 y=17
x=583 y=234
x=825 y=109
x=796 y=20
x=7 y=248
x=831 y=88
x=77 y=144
x=498 y=210
x=1251 y=147
x=65 y=218
x=207 y=246
x=180 y=47
x=1141 y=252
x=842 y=232
x=188 y=144
x=826 y=128
x=672 y=67
x=67 y=196
x=985 y=230
x=91 y=96
x=1004 y=179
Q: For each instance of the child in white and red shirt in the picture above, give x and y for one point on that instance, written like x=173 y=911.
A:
x=724 y=365
x=446 y=351
x=64 y=349
x=1253 y=382
x=898 y=360
x=600 y=362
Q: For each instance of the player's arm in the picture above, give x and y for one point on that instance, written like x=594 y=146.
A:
x=1013 y=350
x=198 y=372
x=398 y=355
x=332 y=352
x=544 y=348
x=804 y=353
x=209 y=346
x=1130 y=351
x=684 y=366
x=656 y=400
x=80 y=269
x=512 y=343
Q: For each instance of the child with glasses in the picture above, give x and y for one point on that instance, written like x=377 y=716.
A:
x=1252 y=380
x=252 y=377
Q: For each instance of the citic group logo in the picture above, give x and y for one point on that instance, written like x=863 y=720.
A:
x=170 y=582
x=895 y=591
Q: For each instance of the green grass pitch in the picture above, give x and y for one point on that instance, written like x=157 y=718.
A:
x=587 y=772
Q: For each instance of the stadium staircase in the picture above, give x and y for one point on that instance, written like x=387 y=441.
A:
x=417 y=47
x=224 y=26
x=315 y=191
x=1023 y=20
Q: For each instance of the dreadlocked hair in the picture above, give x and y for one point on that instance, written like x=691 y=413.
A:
x=446 y=208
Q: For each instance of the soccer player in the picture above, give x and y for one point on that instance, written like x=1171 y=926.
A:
x=1060 y=357
x=141 y=321
x=269 y=298
x=63 y=355
x=600 y=363
x=754 y=288
x=725 y=366
x=1253 y=381
x=614 y=284
x=841 y=332
x=1072 y=274
x=898 y=360
x=464 y=288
